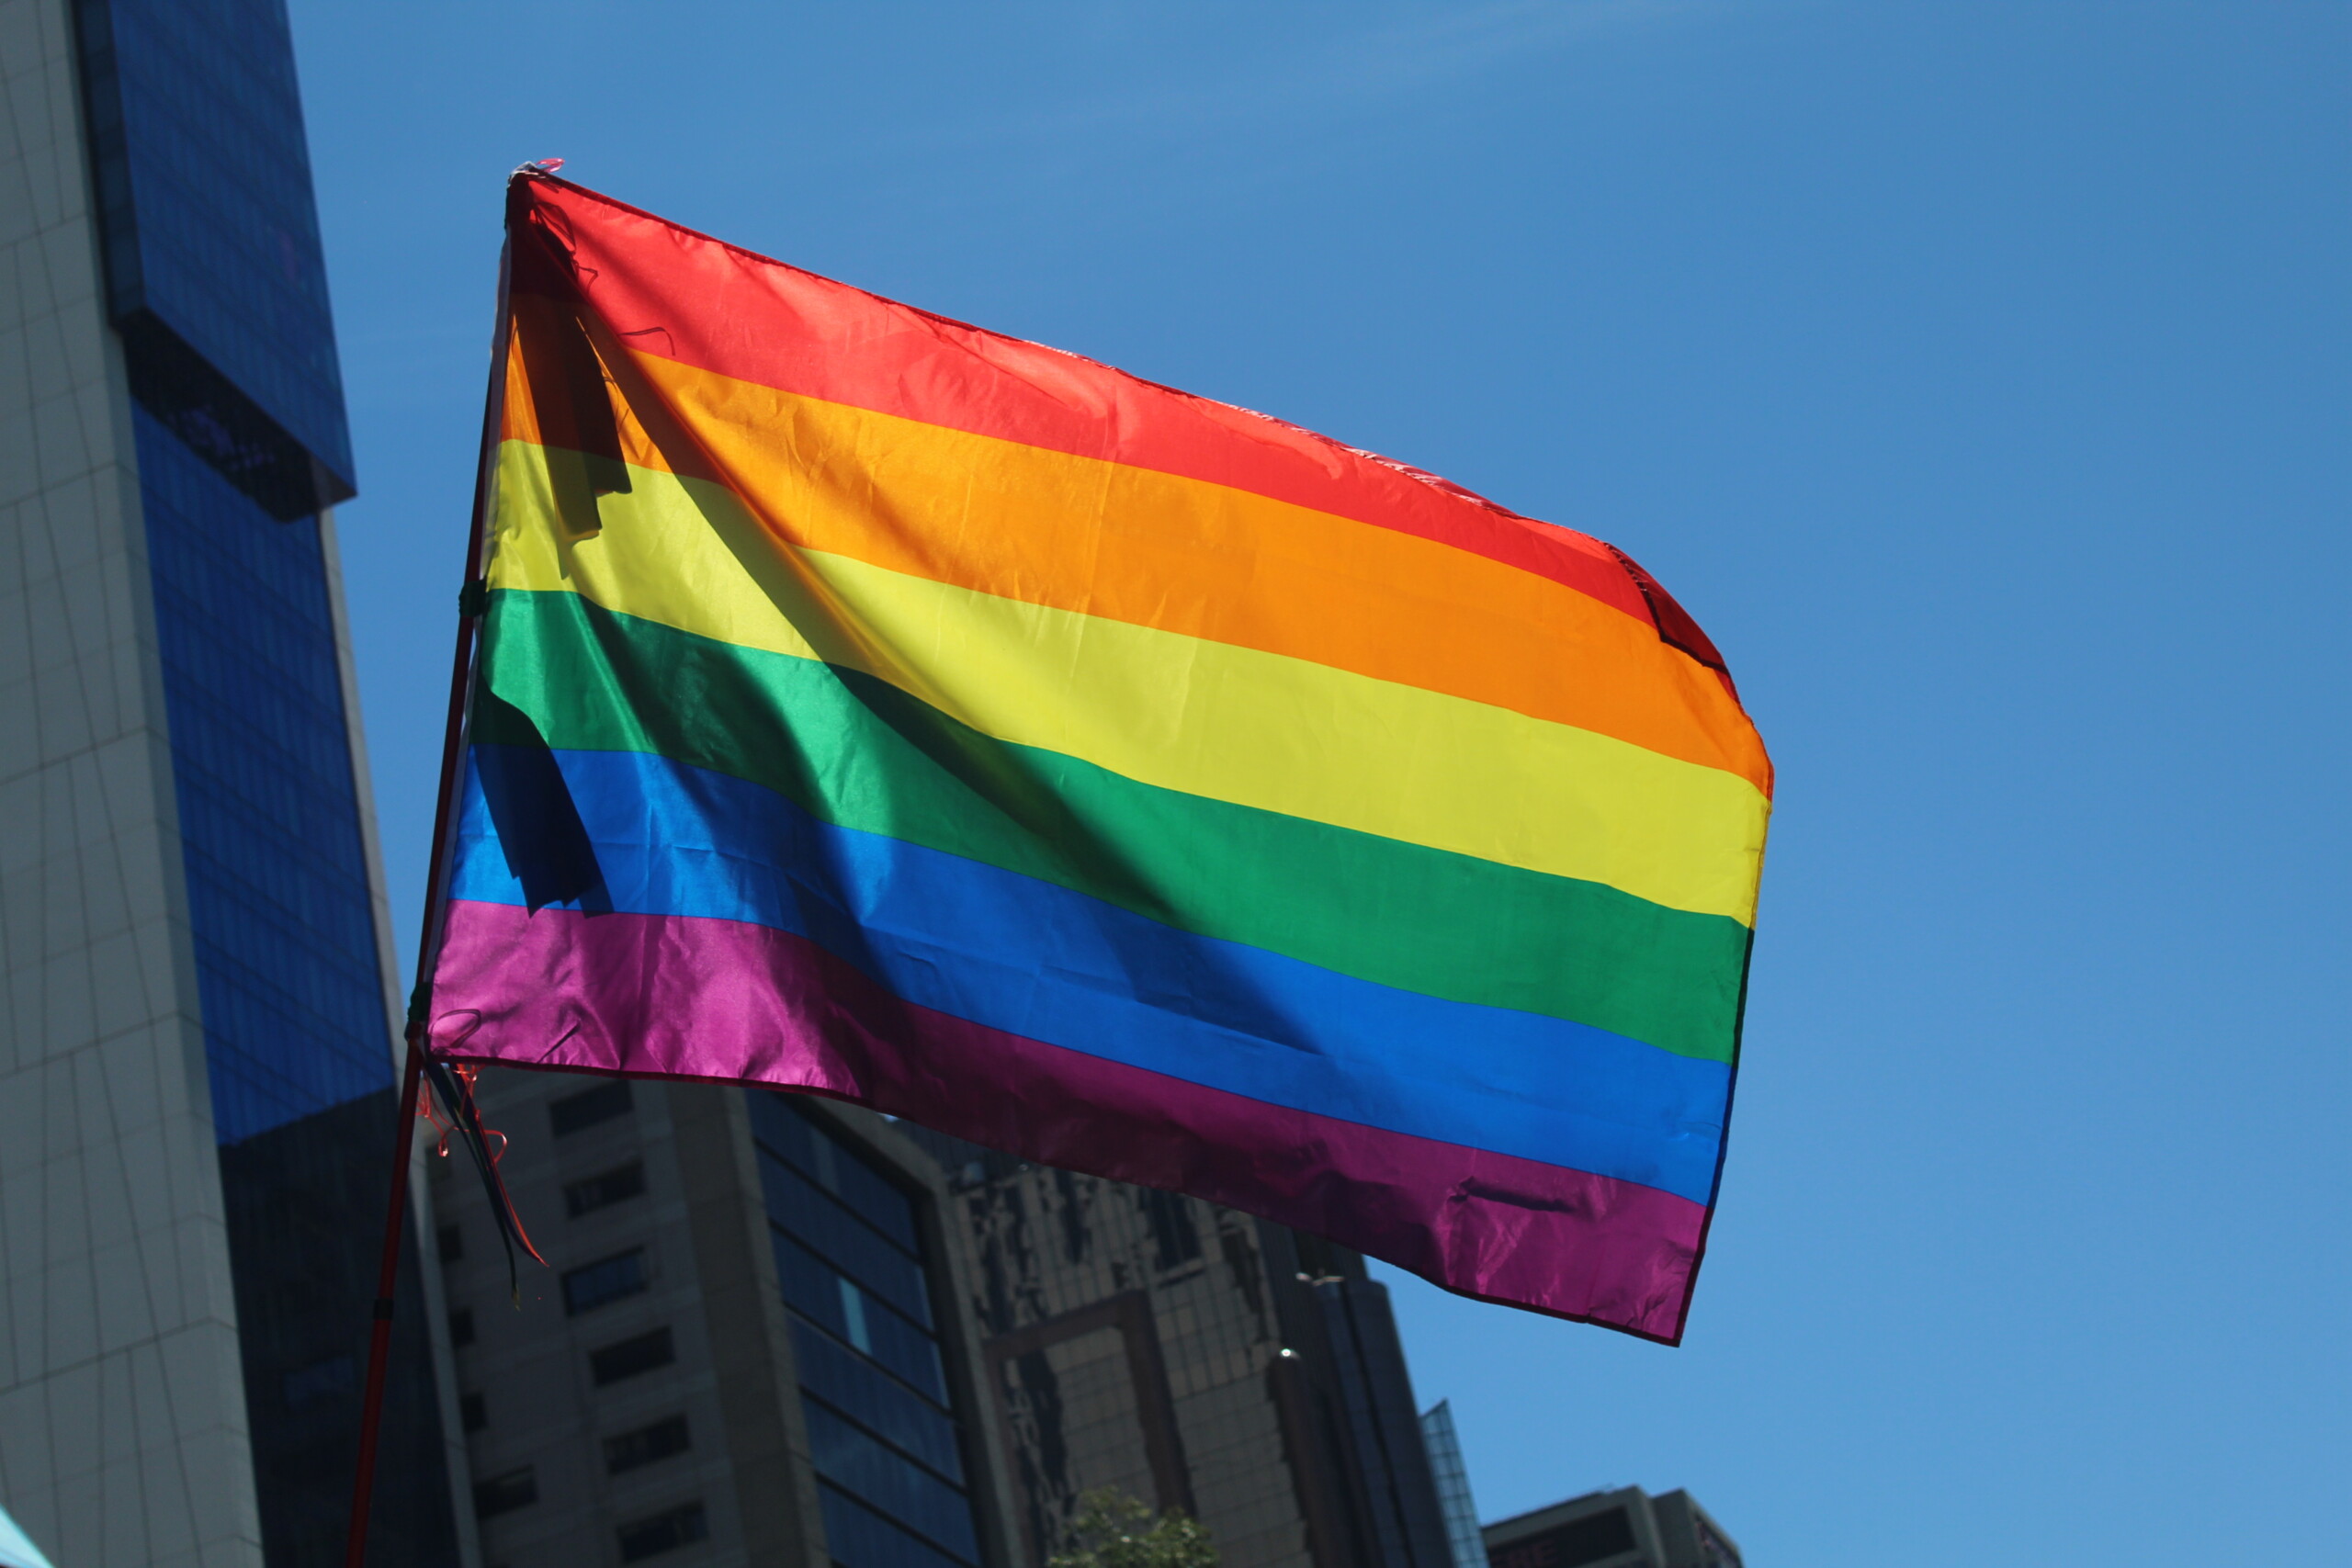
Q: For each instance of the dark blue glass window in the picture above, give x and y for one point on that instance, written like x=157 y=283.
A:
x=217 y=287
x=297 y=1041
x=790 y=1135
x=882 y=1430
x=860 y=1537
x=602 y=1283
x=663 y=1532
x=203 y=178
x=322 y=1380
x=631 y=1357
x=851 y=1458
x=859 y=1389
x=292 y=999
x=824 y=1296
x=833 y=1232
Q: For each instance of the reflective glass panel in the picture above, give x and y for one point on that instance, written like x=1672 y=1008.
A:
x=203 y=174
x=860 y=1537
x=893 y=1484
x=778 y=1123
x=851 y=1263
x=297 y=1039
x=608 y=1279
x=884 y=1405
x=293 y=1001
x=815 y=1289
x=855 y=1248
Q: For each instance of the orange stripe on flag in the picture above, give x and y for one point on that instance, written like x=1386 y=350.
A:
x=1159 y=550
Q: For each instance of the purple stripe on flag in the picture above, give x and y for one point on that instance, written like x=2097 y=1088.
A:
x=681 y=996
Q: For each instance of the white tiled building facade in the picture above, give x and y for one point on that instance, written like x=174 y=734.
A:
x=124 y=1433
x=122 y=1415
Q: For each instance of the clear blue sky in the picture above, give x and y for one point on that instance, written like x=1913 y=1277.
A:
x=1975 y=372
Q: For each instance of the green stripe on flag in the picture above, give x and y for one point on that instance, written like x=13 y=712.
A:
x=860 y=753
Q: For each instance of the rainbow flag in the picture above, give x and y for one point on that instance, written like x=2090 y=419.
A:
x=874 y=705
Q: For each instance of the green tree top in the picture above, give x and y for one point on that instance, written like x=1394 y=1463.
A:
x=1115 y=1530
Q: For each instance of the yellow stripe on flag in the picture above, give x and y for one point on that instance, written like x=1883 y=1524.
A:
x=1206 y=718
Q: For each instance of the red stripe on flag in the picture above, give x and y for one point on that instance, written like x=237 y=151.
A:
x=670 y=292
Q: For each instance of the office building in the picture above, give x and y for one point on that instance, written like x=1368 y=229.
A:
x=1195 y=1357
x=1626 y=1527
x=195 y=1068
x=778 y=1329
x=748 y=1349
x=1452 y=1476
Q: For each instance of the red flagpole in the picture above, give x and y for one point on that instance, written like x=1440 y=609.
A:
x=379 y=1344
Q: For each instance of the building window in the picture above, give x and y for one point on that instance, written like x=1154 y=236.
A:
x=889 y=1482
x=603 y=1192
x=589 y=1107
x=823 y=1294
x=663 y=1532
x=859 y=1534
x=453 y=1244
x=631 y=1357
x=854 y=1386
x=604 y=1282
x=1175 y=1239
x=472 y=1414
x=853 y=1317
x=793 y=1138
x=887 y=1267
x=320 y=1380
x=853 y=1270
x=643 y=1447
x=504 y=1494
x=461 y=1326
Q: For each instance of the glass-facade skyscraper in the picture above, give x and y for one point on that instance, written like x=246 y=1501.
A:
x=1453 y=1478
x=1195 y=1357
x=195 y=963
x=883 y=1434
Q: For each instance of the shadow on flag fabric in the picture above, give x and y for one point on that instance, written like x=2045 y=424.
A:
x=873 y=705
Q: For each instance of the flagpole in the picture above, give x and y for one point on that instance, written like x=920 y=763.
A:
x=416 y=1044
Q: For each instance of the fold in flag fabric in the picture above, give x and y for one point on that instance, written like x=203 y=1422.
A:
x=873 y=705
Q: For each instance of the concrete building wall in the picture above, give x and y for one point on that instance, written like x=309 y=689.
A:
x=122 y=1420
x=1625 y=1528
x=527 y=1368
